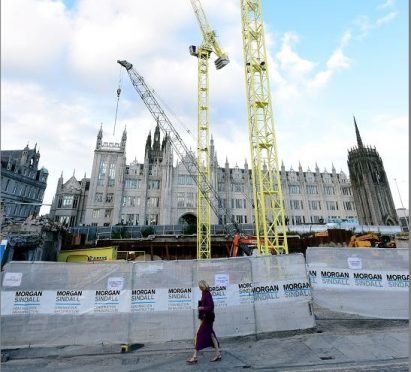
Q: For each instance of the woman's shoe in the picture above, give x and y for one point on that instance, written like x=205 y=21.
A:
x=216 y=359
x=192 y=360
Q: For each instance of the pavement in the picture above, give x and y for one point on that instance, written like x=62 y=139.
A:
x=339 y=342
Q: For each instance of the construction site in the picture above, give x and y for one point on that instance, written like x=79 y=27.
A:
x=60 y=284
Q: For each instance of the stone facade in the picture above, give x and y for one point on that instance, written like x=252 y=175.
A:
x=159 y=192
x=22 y=183
x=371 y=190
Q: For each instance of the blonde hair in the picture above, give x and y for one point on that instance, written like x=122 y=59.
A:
x=203 y=285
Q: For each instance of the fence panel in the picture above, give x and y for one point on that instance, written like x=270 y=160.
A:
x=366 y=281
x=48 y=303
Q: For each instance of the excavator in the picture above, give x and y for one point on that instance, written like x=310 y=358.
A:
x=242 y=244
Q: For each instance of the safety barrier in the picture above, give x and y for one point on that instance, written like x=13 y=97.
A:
x=372 y=282
x=50 y=304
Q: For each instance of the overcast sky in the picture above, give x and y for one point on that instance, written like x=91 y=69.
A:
x=328 y=60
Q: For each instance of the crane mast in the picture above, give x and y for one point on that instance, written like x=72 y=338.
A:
x=182 y=151
x=267 y=193
x=209 y=45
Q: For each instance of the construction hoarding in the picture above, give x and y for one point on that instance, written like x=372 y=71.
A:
x=116 y=302
x=372 y=282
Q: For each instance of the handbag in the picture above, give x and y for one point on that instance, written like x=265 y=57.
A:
x=209 y=316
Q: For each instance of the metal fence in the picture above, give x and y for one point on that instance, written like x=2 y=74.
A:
x=134 y=232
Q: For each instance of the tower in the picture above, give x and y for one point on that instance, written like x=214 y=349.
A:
x=371 y=190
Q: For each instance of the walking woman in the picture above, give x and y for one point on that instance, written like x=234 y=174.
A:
x=205 y=336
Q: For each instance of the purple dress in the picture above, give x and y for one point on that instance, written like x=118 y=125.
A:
x=205 y=330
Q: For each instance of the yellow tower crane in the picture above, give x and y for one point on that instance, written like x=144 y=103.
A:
x=267 y=193
x=208 y=45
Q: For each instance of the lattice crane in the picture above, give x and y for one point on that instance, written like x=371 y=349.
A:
x=208 y=46
x=180 y=148
x=267 y=193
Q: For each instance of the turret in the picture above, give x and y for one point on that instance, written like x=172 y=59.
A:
x=123 y=140
x=156 y=142
x=148 y=145
x=99 y=137
x=25 y=155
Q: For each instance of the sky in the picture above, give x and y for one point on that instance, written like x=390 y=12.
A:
x=328 y=60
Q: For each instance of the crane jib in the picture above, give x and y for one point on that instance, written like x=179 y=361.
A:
x=182 y=151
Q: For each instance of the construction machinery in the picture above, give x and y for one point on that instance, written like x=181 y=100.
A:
x=202 y=53
x=267 y=193
x=242 y=245
x=371 y=240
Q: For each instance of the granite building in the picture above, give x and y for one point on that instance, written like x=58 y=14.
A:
x=371 y=190
x=22 y=183
x=160 y=191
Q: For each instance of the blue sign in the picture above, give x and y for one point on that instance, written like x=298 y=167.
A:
x=3 y=246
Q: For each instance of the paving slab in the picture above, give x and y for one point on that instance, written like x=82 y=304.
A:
x=337 y=343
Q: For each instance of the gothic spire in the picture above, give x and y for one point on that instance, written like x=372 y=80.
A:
x=357 y=132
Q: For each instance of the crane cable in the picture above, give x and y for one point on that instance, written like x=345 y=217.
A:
x=120 y=84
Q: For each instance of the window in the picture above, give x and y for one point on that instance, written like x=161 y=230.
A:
x=60 y=201
x=129 y=201
x=190 y=200
x=7 y=185
x=299 y=220
x=154 y=184
x=294 y=189
x=107 y=213
x=131 y=184
x=312 y=189
x=349 y=206
x=152 y=219
x=102 y=170
x=112 y=171
x=109 y=197
x=184 y=179
x=332 y=205
x=315 y=219
x=329 y=190
x=314 y=205
x=130 y=219
x=96 y=213
x=153 y=202
x=221 y=186
x=346 y=190
x=238 y=203
x=180 y=200
x=65 y=220
x=75 y=202
x=98 y=198
x=296 y=204
x=239 y=219
x=222 y=203
x=68 y=200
